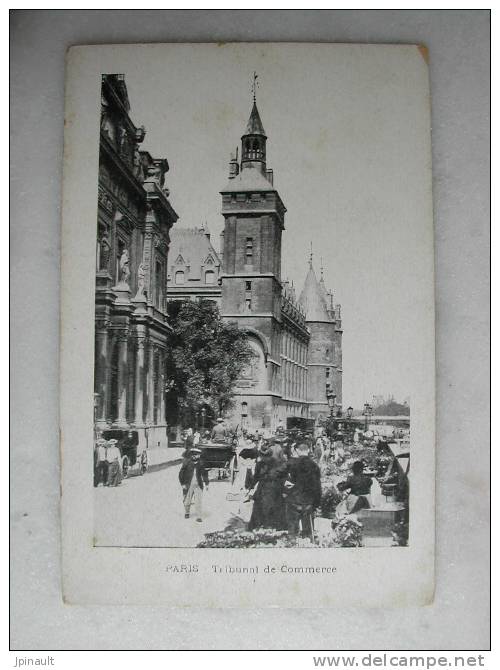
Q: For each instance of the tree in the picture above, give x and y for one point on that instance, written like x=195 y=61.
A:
x=392 y=408
x=205 y=358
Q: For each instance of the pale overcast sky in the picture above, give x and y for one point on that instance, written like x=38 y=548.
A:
x=348 y=140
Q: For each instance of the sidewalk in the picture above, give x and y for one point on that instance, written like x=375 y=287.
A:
x=163 y=457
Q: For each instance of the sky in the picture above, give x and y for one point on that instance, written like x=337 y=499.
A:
x=348 y=140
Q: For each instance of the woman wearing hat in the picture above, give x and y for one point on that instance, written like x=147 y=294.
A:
x=193 y=477
x=268 y=507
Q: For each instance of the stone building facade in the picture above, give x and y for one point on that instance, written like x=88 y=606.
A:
x=297 y=342
x=194 y=266
x=133 y=236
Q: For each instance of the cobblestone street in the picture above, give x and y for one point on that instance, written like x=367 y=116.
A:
x=147 y=511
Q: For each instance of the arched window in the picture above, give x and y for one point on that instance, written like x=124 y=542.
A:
x=179 y=277
x=209 y=277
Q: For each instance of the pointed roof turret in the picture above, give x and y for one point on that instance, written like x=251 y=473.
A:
x=312 y=299
x=254 y=125
x=322 y=287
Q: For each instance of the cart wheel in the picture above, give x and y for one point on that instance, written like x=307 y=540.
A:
x=125 y=466
x=144 y=463
x=233 y=469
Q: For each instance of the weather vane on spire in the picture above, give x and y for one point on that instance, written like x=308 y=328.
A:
x=255 y=85
x=311 y=255
x=321 y=261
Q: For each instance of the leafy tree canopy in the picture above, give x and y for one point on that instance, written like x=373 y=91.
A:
x=206 y=357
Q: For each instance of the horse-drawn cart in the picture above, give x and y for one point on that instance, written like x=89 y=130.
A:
x=220 y=456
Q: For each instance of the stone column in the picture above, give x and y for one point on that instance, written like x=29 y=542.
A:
x=101 y=365
x=122 y=378
x=150 y=385
x=162 y=419
x=139 y=382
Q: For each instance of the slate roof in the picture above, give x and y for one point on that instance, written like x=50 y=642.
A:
x=254 y=125
x=324 y=292
x=250 y=179
x=194 y=246
x=312 y=299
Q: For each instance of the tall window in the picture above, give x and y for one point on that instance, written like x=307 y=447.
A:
x=249 y=251
x=158 y=284
x=179 y=277
x=120 y=247
x=248 y=295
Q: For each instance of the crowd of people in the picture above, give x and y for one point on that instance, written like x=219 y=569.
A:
x=280 y=473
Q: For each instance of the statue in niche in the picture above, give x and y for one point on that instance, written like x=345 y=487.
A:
x=105 y=253
x=141 y=281
x=124 y=267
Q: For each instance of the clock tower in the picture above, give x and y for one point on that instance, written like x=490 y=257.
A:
x=251 y=276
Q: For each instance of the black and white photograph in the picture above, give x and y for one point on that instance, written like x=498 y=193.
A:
x=249 y=389
x=259 y=279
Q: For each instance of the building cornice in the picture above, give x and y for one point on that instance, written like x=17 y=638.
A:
x=108 y=149
x=251 y=315
x=263 y=394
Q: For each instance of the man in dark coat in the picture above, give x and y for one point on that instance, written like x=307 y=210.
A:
x=303 y=492
x=193 y=477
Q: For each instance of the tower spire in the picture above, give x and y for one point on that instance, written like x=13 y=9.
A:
x=255 y=85
x=253 y=141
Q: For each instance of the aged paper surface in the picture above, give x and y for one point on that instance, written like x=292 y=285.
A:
x=348 y=131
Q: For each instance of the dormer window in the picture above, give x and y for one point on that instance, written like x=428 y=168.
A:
x=179 y=277
x=209 y=277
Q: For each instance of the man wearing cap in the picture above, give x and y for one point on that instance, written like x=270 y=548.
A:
x=219 y=431
x=193 y=477
x=113 y=459
x=100 y=463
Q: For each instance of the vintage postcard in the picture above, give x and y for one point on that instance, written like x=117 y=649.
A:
x=247 y=342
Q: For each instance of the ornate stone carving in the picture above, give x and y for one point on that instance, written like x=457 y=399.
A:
x=142 y=273
x=124 y=267
x=105 y=253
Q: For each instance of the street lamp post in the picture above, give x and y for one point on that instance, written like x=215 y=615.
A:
x=331 y=402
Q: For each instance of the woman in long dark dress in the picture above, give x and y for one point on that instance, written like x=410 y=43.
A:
x=268 y=505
